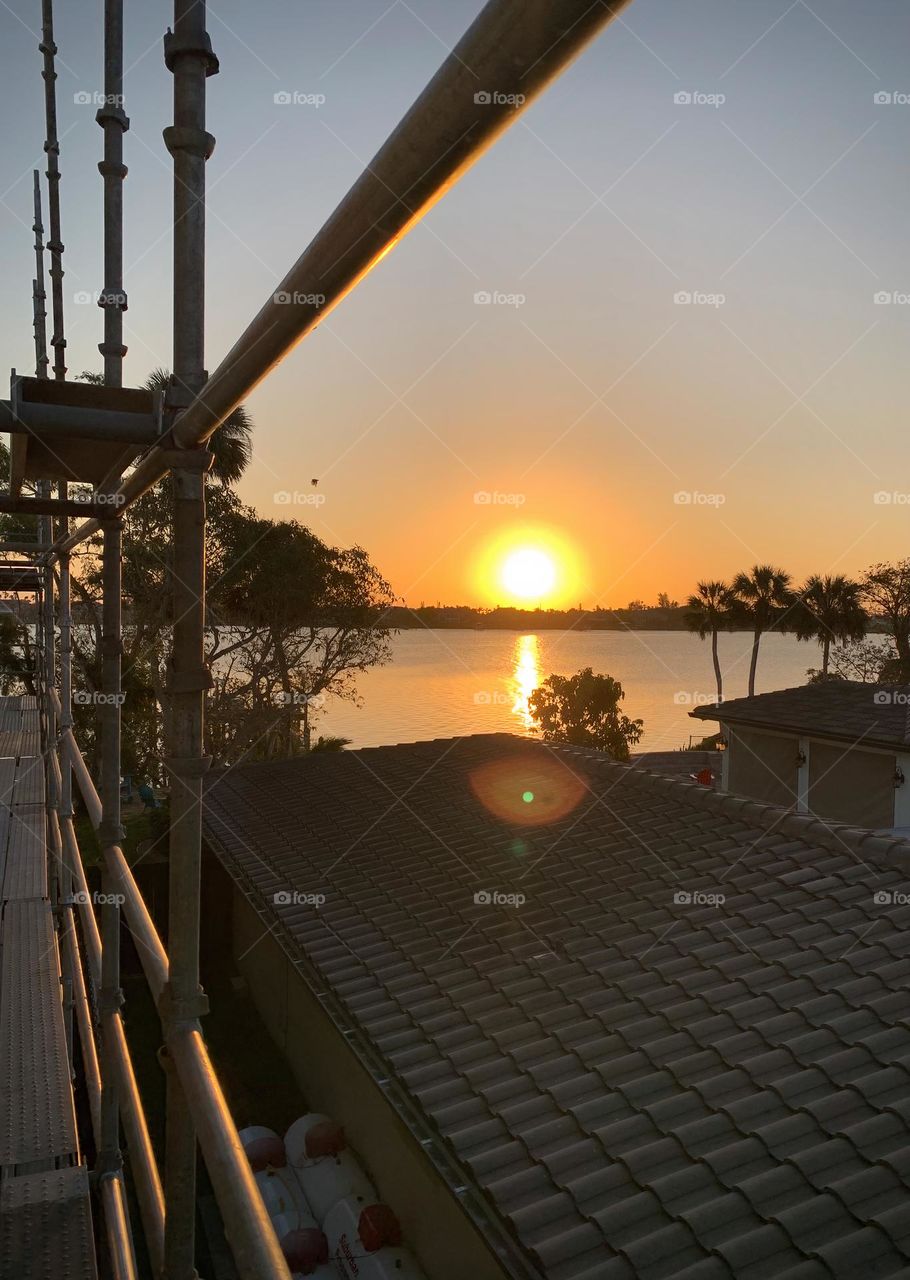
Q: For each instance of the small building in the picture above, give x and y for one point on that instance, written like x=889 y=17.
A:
x=839 y=750
x=581 y=1020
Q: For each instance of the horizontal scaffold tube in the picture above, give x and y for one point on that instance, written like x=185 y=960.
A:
x=247 y=1224
x=49 y=421
x=506 y=58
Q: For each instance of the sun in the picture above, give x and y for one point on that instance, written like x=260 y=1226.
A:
x=529 y=573
x=528 y=565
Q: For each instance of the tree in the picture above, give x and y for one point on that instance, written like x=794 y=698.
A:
x=300 y=620
x=830 y=610
x=707 y=612
x=232 y=443
x=583 y=710
x=289 y=619
x=868 y=661
x=885 y=588
x=761 y=598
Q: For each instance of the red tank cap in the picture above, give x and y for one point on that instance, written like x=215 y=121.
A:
x=265 y=1153
x=324 y=1138
x=378 y=1226
x=305 y=1249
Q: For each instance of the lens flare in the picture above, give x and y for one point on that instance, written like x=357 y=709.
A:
x=528 y=790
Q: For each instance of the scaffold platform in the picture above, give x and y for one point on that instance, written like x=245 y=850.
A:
x=45 y=1206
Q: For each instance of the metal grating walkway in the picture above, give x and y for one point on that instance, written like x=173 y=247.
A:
x=20 y=727
x=45 y=1207
x=37 y=1121
x=46 y=1227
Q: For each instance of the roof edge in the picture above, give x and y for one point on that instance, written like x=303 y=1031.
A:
x=806 y=827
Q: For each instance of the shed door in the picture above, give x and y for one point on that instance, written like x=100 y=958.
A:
x=763 y=766
x=851 y=786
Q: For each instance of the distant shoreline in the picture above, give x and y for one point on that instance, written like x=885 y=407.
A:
x=465 y=618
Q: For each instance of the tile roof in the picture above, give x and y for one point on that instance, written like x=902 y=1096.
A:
x=644 y=1081
x=842 y=709
x=678 y=764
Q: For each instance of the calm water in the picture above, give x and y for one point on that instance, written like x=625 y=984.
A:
x=447 y=683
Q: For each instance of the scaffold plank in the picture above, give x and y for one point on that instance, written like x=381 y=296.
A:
x=46 y=1226
x=25 y=875
x=37 y=1120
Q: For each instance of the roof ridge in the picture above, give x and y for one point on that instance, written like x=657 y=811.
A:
x=806 y=827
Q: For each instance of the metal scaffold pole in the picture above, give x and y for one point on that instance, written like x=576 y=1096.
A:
x=52 y=150
x=110 y=833
x=39 y=296
x=188 y=55
x=63 y=778
x=518 y=46
x=114 y=122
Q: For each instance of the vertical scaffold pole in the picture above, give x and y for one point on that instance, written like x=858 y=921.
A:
x=114 y=122
x=110 y=832
x=188 y=55
x=49 y=664
x=64 y=770
x=66 y=667
x=52 y=150
x=39 y=296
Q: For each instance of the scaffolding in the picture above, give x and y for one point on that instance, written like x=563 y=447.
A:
x=122 y=441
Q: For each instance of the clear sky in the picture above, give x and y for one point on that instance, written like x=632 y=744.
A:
x=777 y=197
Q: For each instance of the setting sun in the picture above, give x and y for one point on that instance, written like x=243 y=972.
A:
x=529 y=573
x=529 y=565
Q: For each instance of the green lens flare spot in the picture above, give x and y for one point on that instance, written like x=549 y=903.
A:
x=527 y=796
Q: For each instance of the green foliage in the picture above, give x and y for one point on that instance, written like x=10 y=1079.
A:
x=710 y=609
x=330 y=742
x=886 y=590
x=829 y=610
x=583 y=710
x=290 y=620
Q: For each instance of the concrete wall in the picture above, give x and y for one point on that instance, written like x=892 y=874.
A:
x=334 y=1081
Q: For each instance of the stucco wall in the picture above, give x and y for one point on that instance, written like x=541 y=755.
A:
x=334 y=1081
x=852 y=786
x=763 y=766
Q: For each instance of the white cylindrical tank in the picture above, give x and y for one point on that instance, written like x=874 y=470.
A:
x=302 y=1241
x=326 y=1170
x=284 y=1201
x=263 y=1147
x=365 y=1243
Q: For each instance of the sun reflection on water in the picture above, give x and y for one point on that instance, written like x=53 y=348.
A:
x=525 y=677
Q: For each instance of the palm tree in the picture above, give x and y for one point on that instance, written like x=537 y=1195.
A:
x=830 y=610
x=232 y=443
x=760 y=597
x=707 y=612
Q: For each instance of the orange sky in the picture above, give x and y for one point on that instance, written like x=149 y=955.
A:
x=528 y=340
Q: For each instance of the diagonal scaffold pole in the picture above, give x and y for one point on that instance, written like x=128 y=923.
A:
x=189 y=57
x=52 y=149
x=503 y=63
x=39 y=295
